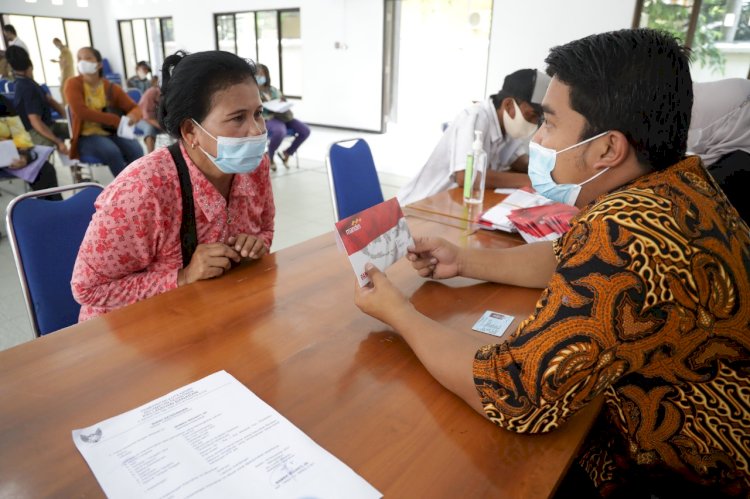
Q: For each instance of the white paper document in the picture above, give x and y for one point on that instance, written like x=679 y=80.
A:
x=278 y=105
x=8 y=153
x=125 y=129
x=212 y=438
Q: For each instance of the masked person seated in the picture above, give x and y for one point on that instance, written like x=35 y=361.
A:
x=140 y=80
x=97 y=105
x=647 y=296
x=507 y=120
x=720 y=135
x=212 y=186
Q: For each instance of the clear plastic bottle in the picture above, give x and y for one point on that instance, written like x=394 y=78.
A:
x=475 y=173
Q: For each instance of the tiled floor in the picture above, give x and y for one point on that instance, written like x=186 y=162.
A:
x=303 y=211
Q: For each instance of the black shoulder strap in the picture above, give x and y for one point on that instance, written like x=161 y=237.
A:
x=188 y=232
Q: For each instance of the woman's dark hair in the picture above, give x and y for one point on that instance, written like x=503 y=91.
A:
x=18 y=58
x=636 y=81
x=97 y=56
x=266 y=72
x=189 y=82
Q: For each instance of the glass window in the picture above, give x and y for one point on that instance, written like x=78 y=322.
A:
x=225 y=33
x=37 y=33
x=148 y=39
x=50 y=28
x=167 y=31
x=717 y=32
x=271 y=37
x=268 y=44
x=291 y=52
x=246 y=44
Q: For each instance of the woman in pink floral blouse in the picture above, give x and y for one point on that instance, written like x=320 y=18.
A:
x=141 y=242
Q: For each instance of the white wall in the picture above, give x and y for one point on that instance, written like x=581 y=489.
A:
x=524 y=31
x=341 y=87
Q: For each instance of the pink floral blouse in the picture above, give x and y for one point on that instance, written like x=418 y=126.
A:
x=132 y=251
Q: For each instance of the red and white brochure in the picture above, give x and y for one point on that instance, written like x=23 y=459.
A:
x=378 y=235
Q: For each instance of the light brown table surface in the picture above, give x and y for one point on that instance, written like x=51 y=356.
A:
x=451 y=204
x=287 y=328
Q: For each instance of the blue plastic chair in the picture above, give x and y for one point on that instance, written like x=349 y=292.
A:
x=45 y=237
x=53 y=114
x=134 y=94
x=352 y=177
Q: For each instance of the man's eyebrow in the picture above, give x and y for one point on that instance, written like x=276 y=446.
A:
x=547 y=110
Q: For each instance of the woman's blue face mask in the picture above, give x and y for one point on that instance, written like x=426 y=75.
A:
x=237 y=154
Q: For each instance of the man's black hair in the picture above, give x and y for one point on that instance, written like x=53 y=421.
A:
x=18 y=58
x=10 y=29
x=636 y=81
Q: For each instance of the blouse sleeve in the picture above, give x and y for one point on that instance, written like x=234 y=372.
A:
x=115 y=265
x=269 y=208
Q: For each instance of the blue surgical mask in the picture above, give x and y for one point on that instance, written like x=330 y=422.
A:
x=542 y=162
x=237 y=154
x=261 y=80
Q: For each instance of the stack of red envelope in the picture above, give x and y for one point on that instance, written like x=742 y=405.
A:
x=543 y=223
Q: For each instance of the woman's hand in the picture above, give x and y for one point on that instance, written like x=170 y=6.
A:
x=248 y=246
x=208 y=261
x=62 y=148
x=434 y=257
x=380 y=299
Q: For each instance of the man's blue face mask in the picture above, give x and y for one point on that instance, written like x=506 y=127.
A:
x=542 y=162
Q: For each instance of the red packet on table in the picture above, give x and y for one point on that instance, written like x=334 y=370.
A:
x=543 y=223
x=378 y=235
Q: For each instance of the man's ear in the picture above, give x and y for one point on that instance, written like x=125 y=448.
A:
x=612 y=151
x=507 y=105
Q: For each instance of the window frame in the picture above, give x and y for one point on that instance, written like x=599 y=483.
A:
x=255 y=19
x=36 y=35
x=161 y=20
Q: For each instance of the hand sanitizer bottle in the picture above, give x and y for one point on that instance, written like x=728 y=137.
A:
x=475 y=173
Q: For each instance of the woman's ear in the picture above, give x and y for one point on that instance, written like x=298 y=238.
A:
x=188 y=130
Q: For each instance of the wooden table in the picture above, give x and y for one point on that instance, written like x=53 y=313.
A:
x=287 y=328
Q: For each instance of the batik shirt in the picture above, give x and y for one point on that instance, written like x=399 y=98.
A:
x=649 y=306
x=132 y=249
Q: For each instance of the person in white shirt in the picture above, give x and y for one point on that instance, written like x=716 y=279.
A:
x=720 y=134
x=507 y=120
x=13 y=41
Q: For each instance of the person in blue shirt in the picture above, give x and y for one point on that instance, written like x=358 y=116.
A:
x=33 y=105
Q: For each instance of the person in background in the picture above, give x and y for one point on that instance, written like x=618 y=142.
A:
x=67 y=66
x=141 y=81
x=10 y=34
x=279 y=123
x=93 y=102
x=720 y=135
x=34 y=106
x=133 y=247
x=647 y=299
x=5 y=71
x=46 y=177
x=506 y=120
x=149 y=104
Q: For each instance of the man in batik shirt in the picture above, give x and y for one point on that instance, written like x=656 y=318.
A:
x=647 y=299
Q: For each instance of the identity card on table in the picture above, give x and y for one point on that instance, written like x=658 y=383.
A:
x=212 y=438
x=378 y=235
x=493 y=323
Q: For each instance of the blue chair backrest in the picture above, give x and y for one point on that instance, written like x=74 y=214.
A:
x=354 y=181
x=134 y=94
x=46 y=236
x=10 y=87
